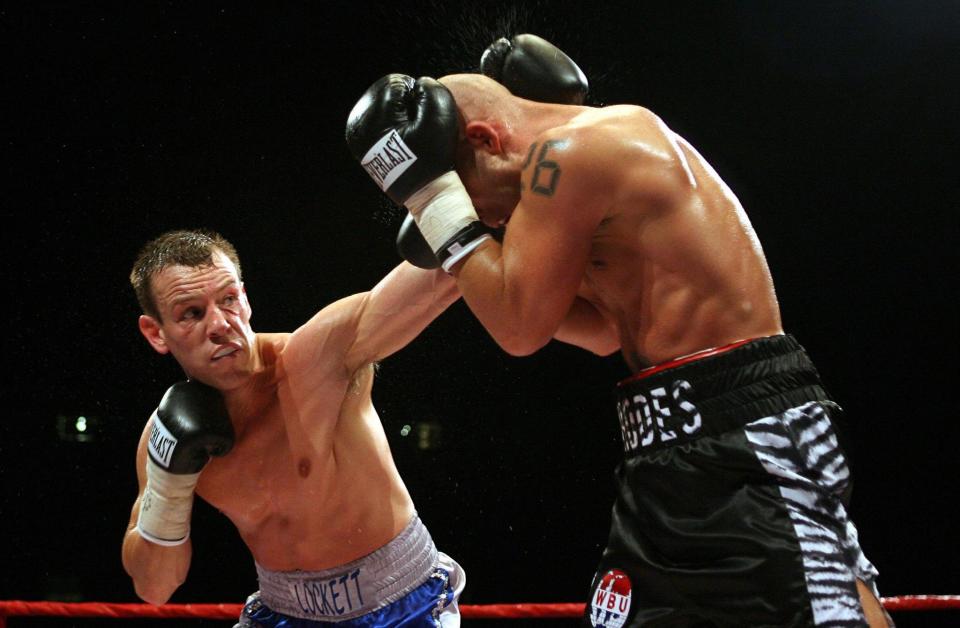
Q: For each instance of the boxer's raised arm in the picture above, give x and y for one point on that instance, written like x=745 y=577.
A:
x=190 y=425
x=522 y=290
x=370 y=326
x=157 y=571
x=405 y=133
x=398 y=308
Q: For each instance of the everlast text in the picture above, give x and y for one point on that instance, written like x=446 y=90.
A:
x=388 y=159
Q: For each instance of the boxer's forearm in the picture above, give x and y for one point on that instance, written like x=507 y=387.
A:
x=484 y=287
x=505 y=303
x=156 y=571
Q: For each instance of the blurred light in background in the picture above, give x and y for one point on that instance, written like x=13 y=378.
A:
x=428 y=435
x=77 y=427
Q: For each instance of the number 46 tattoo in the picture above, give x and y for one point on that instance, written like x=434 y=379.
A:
x=546 y=172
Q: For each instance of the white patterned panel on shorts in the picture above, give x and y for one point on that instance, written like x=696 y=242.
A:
x=800 y=448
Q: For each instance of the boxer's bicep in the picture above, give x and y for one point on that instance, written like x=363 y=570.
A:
x=367 y=327
x=317 y=350
x=396 y=310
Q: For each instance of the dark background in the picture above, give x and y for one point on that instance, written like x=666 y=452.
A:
x=831 y=121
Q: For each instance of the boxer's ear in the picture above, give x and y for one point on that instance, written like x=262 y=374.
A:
x=485 y=136
x=151 y=330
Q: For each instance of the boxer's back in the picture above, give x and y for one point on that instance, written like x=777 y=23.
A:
x=674 y=262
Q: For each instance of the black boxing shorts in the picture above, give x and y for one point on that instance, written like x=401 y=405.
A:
x=732 y=495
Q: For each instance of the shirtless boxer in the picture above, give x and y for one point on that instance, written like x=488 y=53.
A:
x=279 y=433
x=733 y=490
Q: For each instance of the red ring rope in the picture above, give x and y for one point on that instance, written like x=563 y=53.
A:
x=21 y=608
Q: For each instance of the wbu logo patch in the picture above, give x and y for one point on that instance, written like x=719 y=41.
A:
x=611 y=600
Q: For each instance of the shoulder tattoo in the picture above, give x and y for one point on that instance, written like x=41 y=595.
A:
x=546 y=172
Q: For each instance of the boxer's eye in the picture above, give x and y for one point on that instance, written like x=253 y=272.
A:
x=190 y=313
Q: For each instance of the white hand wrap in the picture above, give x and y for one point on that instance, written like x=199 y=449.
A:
x=166 y=506
x=441 y=209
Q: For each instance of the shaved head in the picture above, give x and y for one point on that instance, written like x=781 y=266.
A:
x=478 y=96
x=497 y=130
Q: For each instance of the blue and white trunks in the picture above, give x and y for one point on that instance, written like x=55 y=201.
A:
x=407 y=582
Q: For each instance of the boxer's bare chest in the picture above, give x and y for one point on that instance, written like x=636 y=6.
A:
x=270 y=473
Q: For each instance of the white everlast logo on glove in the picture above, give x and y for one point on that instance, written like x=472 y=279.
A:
x=162 y=443
x=388 y=159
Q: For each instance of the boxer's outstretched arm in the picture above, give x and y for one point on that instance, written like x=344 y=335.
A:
x=398 y=308
x=157 y=571
x=523 y=290
x=370 y=326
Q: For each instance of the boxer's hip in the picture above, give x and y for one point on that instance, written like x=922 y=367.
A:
x=731 y=472
x=714 y=392
x=405 y=578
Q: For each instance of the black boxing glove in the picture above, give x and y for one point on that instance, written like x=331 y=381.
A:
x=530 y=67
x=412 y=247
x=533 y=68
x=404 y=133
x=190 y=425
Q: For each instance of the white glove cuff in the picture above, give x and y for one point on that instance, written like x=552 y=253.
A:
x=458 y=252
x=441 y=209
x=166 y=506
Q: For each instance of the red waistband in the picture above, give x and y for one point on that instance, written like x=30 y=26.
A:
x=684 y=359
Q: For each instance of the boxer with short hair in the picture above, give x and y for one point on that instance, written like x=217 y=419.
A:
x=732 y=505
x=278 y=432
